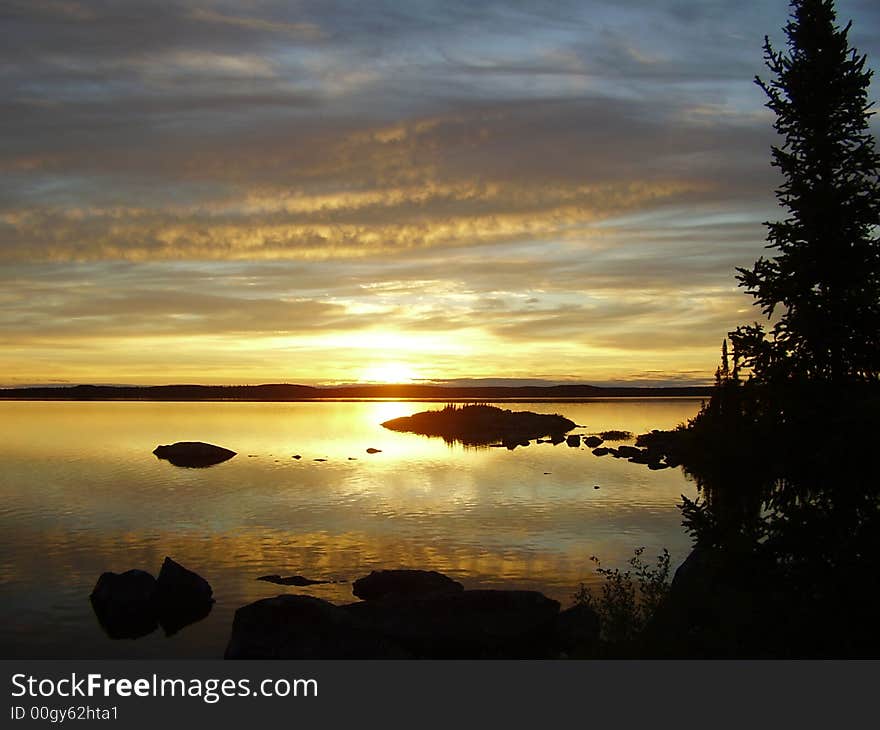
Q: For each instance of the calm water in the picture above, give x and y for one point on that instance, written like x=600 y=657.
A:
x=82 y=493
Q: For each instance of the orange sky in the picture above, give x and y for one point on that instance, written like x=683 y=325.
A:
x=203 y=192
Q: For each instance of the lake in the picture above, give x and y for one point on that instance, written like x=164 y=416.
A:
x=82 y=493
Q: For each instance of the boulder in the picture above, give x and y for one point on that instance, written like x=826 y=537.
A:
x=601 y=451
x=193 y=454
x=593 y=441
x=179 y=585
x=574 y=440
x=577 y=631
x=384 y=584
x=124 y=604
x=132 y=604
x=628 y=452
x=182 y=597
x=466 y=625
x=304 y=627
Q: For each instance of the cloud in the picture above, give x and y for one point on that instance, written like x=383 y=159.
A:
x=271 y=182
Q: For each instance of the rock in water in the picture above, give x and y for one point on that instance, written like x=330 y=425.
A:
x=176 y=584
x=182 y=597
x=384 y=584
x=466 y=625
x=577 y=631
x=132 y=604
x=193 y=454
x=124 y=603
x=303 y=627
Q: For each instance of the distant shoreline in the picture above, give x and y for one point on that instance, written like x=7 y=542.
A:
x=280 y=393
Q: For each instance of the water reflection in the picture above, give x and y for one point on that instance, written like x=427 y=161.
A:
x=82 y=494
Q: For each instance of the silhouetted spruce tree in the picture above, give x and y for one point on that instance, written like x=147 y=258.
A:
x=823 y=283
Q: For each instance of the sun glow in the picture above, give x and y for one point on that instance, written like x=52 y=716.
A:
x=388 y=372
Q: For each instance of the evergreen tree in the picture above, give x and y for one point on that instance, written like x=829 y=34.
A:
x=823 y=283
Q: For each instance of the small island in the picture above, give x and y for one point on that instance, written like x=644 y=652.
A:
x=479 y=425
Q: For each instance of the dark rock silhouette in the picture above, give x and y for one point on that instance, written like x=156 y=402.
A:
x=385 y=584
x=577 y=631
x=601 y=451
x=628 y=452
x=182 y=597
x=409 y=614
x=593 y=441
x=616 y=435
x=303 y=627
x=466 y=624
x=292 y=580
x=124 y=604
x=574 y=440
x=132 y=604
x=481 y=425
x=193 y=454
x=177 y=584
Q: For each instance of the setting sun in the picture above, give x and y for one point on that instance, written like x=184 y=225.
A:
x=388 y=372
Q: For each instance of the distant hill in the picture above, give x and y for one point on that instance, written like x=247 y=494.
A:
x=289 y=392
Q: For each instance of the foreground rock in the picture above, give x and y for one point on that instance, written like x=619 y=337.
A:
x=577 y=631
x=304 y=627
x=182 y=596
x=392 y=584
x=193 y=454
x=124 y=604
x=466 y=625
x=482 y=425
x=412 y=614
x=132 y=604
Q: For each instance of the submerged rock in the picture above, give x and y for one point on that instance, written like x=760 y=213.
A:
x=384 y=584
x=193 y=454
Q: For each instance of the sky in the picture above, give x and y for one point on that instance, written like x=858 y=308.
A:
x=329 y=192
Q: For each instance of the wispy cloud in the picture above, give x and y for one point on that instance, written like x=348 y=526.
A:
x=328 y=183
